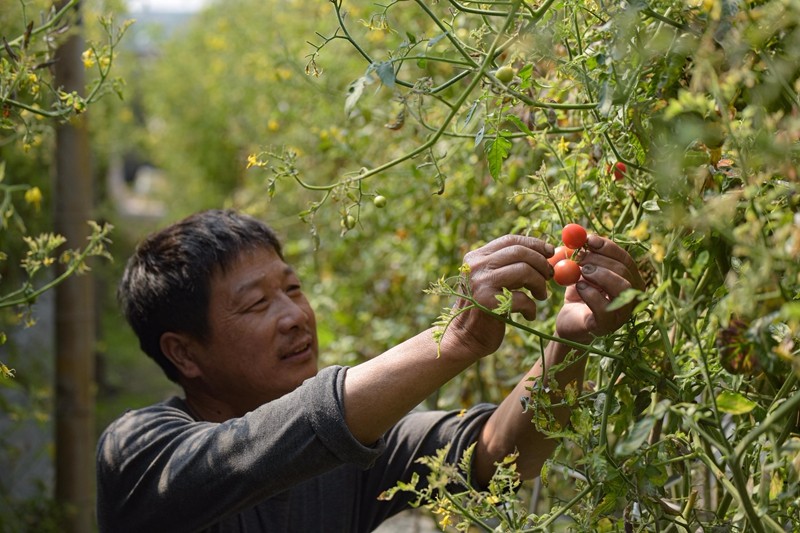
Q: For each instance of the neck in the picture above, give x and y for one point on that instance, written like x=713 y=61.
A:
x=206 y=408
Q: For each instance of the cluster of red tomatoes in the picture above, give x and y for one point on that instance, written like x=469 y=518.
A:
x=566 y=270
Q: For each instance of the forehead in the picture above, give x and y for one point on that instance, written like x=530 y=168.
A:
x=251 y=266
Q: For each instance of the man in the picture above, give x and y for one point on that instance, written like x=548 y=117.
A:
x=263 y=441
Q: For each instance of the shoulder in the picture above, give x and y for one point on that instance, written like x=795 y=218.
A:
x=143 y=425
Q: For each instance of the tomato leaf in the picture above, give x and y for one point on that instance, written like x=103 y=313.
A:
x=635 y=436
x=497 y=151
x=435 y=40
x=521 y=125
x=471 y=111
x=734 y=403
x=625 y=297
x=385 y=72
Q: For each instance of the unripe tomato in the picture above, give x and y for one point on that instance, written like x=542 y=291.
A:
x=505 y=74
x=349 y=222
x=561 y=252
x=379 y=201
x=620 y=169
x=574 y=236
x=566 y=272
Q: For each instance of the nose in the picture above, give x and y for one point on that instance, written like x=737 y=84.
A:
x=294 y=314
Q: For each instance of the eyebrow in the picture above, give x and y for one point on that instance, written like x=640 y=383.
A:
x=253 y=282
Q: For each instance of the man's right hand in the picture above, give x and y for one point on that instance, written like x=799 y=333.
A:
x=513 y=262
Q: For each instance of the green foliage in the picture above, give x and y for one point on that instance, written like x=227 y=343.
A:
x=26 y=92
x=689 y=415
x=699 y=100
x=31 y=106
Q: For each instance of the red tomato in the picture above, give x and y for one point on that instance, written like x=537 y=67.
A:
x=562 y=252
x=567 y=272
x=620 y=169
x=574 y=236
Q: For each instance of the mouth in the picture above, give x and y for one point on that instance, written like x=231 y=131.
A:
x=298 y=352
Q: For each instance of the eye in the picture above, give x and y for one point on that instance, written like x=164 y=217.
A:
x=258 y=305
x=294 y=288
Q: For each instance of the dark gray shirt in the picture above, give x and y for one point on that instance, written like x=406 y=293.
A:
x=290 y=465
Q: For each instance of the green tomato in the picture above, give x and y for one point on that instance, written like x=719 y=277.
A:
x=379 y=201
x=349 y=222
x=505 y=74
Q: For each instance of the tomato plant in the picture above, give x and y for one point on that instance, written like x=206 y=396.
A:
x=711 y=219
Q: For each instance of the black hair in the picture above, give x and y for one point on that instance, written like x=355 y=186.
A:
x=166 y=283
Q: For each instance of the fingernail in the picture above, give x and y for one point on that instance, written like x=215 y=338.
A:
x=549 y=250
x=595 y=242
x=581 y=285
x=588 y=269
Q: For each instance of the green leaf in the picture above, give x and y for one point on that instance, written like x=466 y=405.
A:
x=521 y=125
x=385 y=72
x=734 y=403
x=480 y=134
x=651 y=205
x=497 y=151
x=436 y=39
x=636 y=436
x=471 y=111
x=626 y=297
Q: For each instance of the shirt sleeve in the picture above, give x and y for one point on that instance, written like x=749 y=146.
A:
x=160 y=470
x=419 y=434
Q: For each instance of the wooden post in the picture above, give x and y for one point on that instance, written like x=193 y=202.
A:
x=75 y=324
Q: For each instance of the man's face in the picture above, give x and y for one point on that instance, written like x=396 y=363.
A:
x=262 y=333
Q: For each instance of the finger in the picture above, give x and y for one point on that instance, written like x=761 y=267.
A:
x=506 y=241
x=524 y=305
x=599 y=320
x=516 y=254
x=598 y=288
x=592 y=261
x=606 y=280
x=603 y=251
x=487 y=282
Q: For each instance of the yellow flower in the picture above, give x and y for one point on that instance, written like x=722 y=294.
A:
x=88 y=58
x=273 y=125
x=446 y=519
x=640 y=232
x=33 y=196
x=252 y=161
x=563 y=146
x=658 y=252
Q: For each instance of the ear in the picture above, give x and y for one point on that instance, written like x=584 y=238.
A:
x=178 y=348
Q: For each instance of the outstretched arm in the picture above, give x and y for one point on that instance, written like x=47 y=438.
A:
x=607 y=270
x=379 y=392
